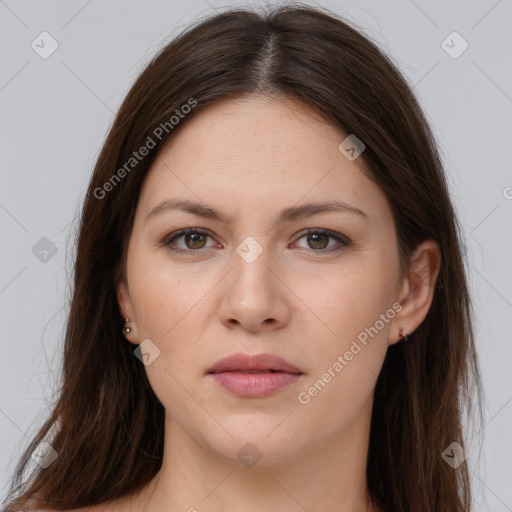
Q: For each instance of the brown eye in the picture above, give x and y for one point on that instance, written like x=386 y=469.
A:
x=318 y=241
x=193 y=240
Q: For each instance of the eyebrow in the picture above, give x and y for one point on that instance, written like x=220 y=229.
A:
x=287 y=215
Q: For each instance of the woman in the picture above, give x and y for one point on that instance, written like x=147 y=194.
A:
x=270 y=305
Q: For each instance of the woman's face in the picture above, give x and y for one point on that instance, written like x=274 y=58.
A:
x=256 y=282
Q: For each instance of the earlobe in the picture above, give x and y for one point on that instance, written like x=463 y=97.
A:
x=417 y=291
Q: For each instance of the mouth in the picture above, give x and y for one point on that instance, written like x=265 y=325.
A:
x=256 y=376
x=259 y=363
x=253 y=371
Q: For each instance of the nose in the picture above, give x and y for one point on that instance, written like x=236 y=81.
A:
x=254 y=296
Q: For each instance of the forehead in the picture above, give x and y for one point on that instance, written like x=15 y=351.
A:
x=259 y=152
x=274 y=129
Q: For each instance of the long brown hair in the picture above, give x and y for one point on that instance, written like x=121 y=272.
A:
x=108 y=423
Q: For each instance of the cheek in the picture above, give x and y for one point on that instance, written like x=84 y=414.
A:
x=167 y=310
x=348 y=356
x=159 y=291
x=172 y=312
x=349 y=302
x=348 y=299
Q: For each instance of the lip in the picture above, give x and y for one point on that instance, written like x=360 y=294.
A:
x=246 y=362
x=270 y=373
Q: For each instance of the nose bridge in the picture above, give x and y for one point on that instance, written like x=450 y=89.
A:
x=252 y=263
x=253 y=296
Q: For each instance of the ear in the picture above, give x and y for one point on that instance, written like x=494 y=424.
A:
x=417 y=290
x=126 y=310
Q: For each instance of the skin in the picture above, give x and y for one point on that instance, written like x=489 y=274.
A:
x=239 y=156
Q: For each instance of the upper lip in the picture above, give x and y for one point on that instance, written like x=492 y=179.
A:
x=247 y=362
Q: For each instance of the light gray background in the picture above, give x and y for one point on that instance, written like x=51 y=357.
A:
x=55 y=113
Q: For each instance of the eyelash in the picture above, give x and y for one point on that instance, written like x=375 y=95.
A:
x=345 y=242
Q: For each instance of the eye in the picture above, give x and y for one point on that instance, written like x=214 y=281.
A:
x=318 y=239
x=194 y=240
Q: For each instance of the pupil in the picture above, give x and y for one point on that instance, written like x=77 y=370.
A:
x=195 y=237
x=316 y=241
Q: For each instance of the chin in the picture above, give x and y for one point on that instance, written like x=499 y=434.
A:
x=260 y=446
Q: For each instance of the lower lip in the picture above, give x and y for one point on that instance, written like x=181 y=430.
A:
x=254 y=385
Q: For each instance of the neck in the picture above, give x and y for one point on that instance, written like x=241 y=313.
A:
x=330 y=475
